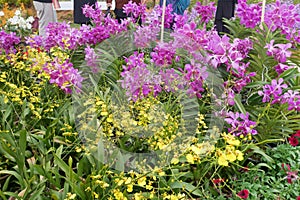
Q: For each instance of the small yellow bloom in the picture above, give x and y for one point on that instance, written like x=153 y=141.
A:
x=95 y=195
x=240 y=155
x=190 y=158
x=231 y=157
x=104 y=113
x=129 y=188
x=142 y=181
x=222 y=161
x=138 y=196
x=174 y=161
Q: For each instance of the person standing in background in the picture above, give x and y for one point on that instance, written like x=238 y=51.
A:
x=79 y=17
x=119 y=12
x=225 y=9
x=45 y=13
x=179 y=6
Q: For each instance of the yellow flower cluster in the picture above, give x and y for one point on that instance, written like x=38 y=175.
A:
x=230 y=153
x=124 y=185
x=178 y=196
x=69 y=134
x=165 y=134
x=21 y=80
x=70 y=196
x=198 y=150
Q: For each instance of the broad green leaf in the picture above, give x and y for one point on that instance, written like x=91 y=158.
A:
x=16 y=175
x=239 y=105
x=68 y=171
x=186 y=186
x=37 y=193
x=257 y=150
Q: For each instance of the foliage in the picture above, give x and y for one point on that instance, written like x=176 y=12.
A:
x=109 y=112
x=270 y=180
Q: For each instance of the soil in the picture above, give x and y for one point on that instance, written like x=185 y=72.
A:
x=65 y=15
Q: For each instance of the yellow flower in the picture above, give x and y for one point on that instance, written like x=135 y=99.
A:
x=119 y=195
x=95 y=195
x=195 y=149
x=142 y=181
x=70 y=196
x=128 y=180
x=104 y=113
x=239 y=154
x=174 y=161
x=138 y=196
x=230 y=139
x=229 y=153
x=119 y=182
x=231 y=157
x=129 y=188
x=149 y=186
x=190 y=158
x=222 y=160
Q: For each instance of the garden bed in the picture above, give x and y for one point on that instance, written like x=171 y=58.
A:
x=123 y=111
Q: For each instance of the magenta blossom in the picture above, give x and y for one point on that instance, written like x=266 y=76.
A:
x=171 y=81
x=8 y=42
x=280 y=68
x=133 y=61
x=143 y=36
x=91 y=58
x=292 y=98
x=282 y=16
x=195 y=74
x=206 y=12
x=240 y=124
x=64 y=76
x=139 y=82
x=249 y=14
x=163 y=54
x=135 y=11
x=279 y=51
x=273 y=90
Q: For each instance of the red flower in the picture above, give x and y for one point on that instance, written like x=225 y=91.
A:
x=293 y=141
x=243 y=194
x=218 y=181
x=298 y=198
x=297 y=134
x=292 y=176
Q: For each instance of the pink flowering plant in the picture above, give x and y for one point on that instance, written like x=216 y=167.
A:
x=114 y=111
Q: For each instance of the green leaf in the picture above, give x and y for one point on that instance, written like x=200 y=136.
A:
x=258 y=150
x=120 y=162
x=36 y=194
x=256 y=84
x=289 y=74
x=16 y=175
x=22 y=141
x=2 y=195
x=259 y=165
x=68 y=171
x=239 y=105
x=186 y=186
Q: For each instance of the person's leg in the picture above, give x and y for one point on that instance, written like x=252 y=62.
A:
x=45 y=13
x=219 y=17
x=225 y=9
x=120 y=14
x=228 y=12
